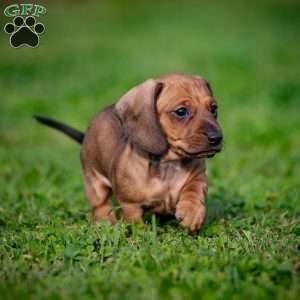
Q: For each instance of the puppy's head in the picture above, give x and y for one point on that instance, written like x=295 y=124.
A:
x=188 y=115
x=176 y=113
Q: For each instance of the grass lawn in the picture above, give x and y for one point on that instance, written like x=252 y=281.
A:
x=89 y=55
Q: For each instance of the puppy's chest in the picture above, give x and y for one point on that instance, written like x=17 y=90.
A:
x=155 y=186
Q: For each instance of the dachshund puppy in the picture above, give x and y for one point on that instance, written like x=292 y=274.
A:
x=150 y=149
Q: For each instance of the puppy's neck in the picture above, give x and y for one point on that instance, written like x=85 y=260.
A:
x=157 y=160
x=171 y=156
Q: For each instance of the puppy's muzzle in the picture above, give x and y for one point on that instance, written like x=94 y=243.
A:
x=214 y=138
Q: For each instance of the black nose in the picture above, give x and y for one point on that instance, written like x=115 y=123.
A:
x=214 y=138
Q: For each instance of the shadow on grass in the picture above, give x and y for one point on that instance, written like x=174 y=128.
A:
x=224 y=207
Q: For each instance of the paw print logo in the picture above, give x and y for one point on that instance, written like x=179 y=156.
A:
x=24 y=32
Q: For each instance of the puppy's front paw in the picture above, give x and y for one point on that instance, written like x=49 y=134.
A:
x=190 y=215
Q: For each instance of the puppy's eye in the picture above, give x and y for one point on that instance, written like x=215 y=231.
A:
x=214 y=110
x=181 y=112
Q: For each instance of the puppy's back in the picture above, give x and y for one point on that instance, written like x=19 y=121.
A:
x=103 y=142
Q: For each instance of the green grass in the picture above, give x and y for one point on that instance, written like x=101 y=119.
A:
x=89 y=56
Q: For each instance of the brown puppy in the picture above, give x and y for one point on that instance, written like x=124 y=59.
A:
x=150 y=149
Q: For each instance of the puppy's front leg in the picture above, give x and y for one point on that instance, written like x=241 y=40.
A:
x=190 y=209
x=98 y=192
x=132 y=212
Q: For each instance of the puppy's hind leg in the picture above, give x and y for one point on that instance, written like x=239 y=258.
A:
x=98 y=191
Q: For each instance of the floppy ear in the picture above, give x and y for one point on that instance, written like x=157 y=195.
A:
x=137 y=111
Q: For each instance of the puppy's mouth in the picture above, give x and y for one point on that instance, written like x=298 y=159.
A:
x=202 y=154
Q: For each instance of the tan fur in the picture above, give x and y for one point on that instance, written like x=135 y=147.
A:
x=151 y=160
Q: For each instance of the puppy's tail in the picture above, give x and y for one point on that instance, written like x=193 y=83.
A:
x=67 y=130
